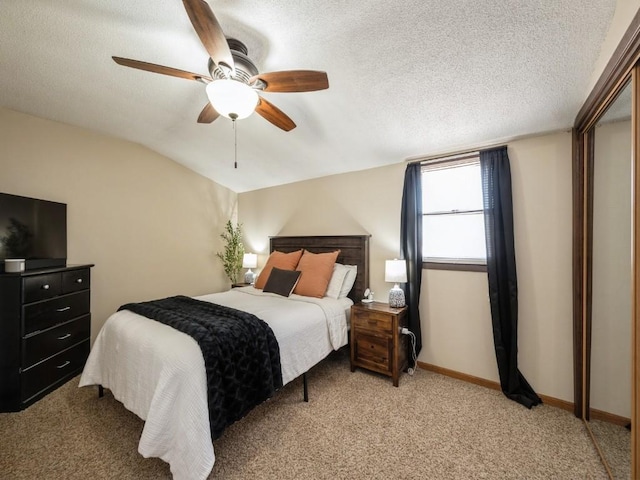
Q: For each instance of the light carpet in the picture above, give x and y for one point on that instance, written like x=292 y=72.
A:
x=356 y=426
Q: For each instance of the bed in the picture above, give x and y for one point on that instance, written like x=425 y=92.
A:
x=158 y=372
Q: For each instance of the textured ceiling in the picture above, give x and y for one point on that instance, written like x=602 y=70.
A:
x=406 y=77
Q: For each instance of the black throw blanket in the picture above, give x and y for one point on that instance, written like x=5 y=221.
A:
x=241 y=353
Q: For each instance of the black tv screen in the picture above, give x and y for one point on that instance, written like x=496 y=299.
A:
x=33 y=229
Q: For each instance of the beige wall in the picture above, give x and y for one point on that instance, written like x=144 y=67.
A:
x=455 y=313
x=150 y=225
x=625 y=11
x=364 y=202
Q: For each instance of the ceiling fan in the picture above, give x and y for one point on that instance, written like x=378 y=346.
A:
x=234 y=83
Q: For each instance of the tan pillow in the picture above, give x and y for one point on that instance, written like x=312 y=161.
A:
x=283 y=261
x=316 y=269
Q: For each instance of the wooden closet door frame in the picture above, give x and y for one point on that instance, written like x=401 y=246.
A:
x=635 y=307
x=622 y=66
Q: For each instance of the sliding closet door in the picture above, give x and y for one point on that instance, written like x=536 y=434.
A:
x=599 y=325
x=609 y=411
x=635 y=398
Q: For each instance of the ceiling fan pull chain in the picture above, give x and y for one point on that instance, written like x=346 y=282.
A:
x=233 y=117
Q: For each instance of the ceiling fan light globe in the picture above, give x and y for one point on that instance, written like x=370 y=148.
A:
x=232 y=97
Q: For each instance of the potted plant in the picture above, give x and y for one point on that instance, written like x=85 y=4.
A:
x=233 y=251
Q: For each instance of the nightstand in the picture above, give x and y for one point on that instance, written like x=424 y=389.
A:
x=241 y=284
x=377 y=343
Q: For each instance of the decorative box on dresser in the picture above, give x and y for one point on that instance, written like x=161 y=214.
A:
x=45 y=331
x=377 y=342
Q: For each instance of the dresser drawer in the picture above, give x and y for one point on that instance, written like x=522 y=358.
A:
x=54 y=370
x=374 y=352
x=379 y=322
x=41 y=287
x=49 y=342
x=43 y=315
x=75 y=280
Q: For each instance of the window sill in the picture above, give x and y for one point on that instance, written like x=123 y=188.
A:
x=463 y=267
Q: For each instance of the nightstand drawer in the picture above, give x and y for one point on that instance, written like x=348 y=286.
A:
x=374 y=352
x=54 y=370
x=45 y=344
x=379 y=322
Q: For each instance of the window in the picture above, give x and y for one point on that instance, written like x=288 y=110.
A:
x=453 y=215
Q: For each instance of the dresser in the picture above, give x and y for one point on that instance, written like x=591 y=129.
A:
x=377 y=342
x=45 y=331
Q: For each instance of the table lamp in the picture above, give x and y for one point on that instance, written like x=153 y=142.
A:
x=395 y=271
x=249 y=260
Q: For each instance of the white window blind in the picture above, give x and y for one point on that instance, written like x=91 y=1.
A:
x=453 y=215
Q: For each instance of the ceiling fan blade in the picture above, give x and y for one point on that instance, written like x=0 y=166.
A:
x=152 y=67
x=293 y=81
x=208 y=114
x=208 y=29
x=274 y=115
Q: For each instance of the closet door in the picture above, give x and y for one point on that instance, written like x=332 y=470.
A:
x=606 y=252
x=609 y=412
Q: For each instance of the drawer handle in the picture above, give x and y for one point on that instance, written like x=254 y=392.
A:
x=63 y=309
x=64 y=364
x=45 y=286
x=78 y=280
x=64 y=336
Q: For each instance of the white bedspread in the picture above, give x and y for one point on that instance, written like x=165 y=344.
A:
x=158 y=372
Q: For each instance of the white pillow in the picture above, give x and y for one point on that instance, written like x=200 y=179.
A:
x=349 y=280
x=337 y=279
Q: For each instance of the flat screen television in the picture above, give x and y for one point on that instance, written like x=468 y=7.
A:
x=33 y=229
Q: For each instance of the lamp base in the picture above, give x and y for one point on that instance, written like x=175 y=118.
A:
x=396 y=297
x=249 y=277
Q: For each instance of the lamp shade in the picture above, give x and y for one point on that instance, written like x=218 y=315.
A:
x=249 y=260
x=395 y=271
x=232 y=97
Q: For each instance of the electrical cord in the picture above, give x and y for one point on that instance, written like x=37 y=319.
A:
x=406 y=331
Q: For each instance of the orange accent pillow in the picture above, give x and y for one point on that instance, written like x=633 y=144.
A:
x=283 y=261
x=316 y=269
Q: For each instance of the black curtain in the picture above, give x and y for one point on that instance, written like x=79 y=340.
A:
x=411 y=245
x=501 y=271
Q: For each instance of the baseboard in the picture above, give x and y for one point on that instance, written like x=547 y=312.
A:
x=609 y=417
x=483 y=382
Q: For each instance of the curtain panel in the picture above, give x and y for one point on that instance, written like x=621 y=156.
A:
x=501 y=272
x=411 y=245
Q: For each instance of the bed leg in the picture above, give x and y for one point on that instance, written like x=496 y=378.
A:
x=100 y=391
x=306 y=389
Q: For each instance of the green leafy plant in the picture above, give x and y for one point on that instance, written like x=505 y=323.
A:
x=233 y=251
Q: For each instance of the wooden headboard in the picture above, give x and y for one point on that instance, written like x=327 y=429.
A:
x=354 y=250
